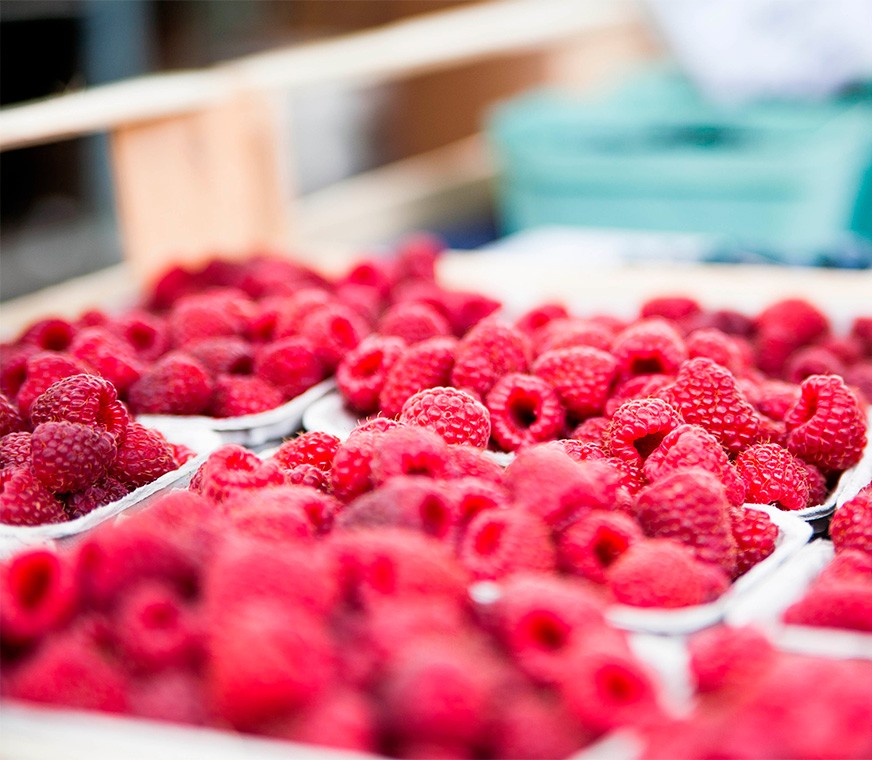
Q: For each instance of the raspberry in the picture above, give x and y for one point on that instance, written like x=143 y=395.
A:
x=146 y=333
x=13 y=367
x=290 y=364
x=848 y=565
x=812 y=360
x=452 y=413
x=176 y=384
x=649 y=346
x=413 y=322
x=39 y=595
x=265 y=659
x=14 y=450
x=582 y=377
x=315 y=448
x=104 y=491
x=409 y=450
x=469 y=461
x=377 y=274
x=498 y=543
x=772 y=475
x=10 y=418
x=486 y=353
x=69 y=671
x=660 y=573
x=638 y=428
x=591 y=545
x=690 y=506
x=44 y=370
x=693 y=446
x=361 y=373
x=67 y=456
x=334 y=330
x=772 y=397
x=547 y=482
x=351 y=473
x=861 y=330
x=535 y=319
x=636 y=387
x=474 y=494
x=275 y=516
x=425 y=365
x=524 y=410
x=795 y=317
x=86 y=399
x=846 y=604
x=110 y=356
x=232 y=468
x=308 y=475
x=851 y=526
x=224 y=355
x=465 y=309
x=198 y=317
x=674 y=307
x=572 y=333
x=52 y=334
x=238 y=395
x=142 y=458
x=154 y=629
x=706 y=394
x=592 y=430
x=417 y=255
x=716 y=345
x=24 y=500
x=860 y=377
x=539 y=618
x=731 y=658
x=581 y=451
x=755 y=535
x=296 y=308
x=826 y=427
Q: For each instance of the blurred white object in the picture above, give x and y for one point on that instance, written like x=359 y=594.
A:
x=745 y=49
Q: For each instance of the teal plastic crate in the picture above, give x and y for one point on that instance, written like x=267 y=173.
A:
x=653 y=155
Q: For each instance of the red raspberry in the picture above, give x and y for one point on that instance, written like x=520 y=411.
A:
x=755 y=535
x=772 y=397
x=14 y=450
x=232 y=468
x=706 y=394
x=486 y=353
x=590 y=546
x=275 y=516
x=290 y=364
x=239 y=395
x=474 y=494
x=155 y=630
x=452 y=413
x=535 y=319
x=225 y=355
x=544 y=480
x=142 y=458
x=812 y=360
x=638 y=428
x=572 y=333
x=317 y=508
x=176 y=384
x=469 y=461
x=690 y=506
x=409 y=450
x=674 y=307
x=861 y=330
x=859 y=377
x=524 y=409
x=198 y=317
x=68 y=457
x=818 y=489
x=86 y=399
x=592 y=430
x=582 y=377
x=425 y=365
x=52 y=334
x=848 y=565
x=104 y=491
x=296 y=308
x=110 y=356
x=637 y=387
x=826 y=427
x=844 y=604
x=366 y=302
x=717 y=346
x=772 y=475
x=465 y=309
x=413 y=322
x=851 y=526
x=660 y=573
x=70 y=671
x=13 y=367
x=498 y=543
x=539 y=618
x=351 y=473
x=361 y=374
x=693 y=446
x=308 y=475
x=729 y=658
x=10 y=418
x=649 y=346
x=44 y=370
x=375 y=273
x=24 y=500
x=147 y=333
x=39 y=595
x=315 y=448
x=265 y=659
x=417 y=255
x=334 y=330
x=581 y=451
x=795 y=317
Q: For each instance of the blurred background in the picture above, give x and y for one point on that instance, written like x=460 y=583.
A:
x=745 y=121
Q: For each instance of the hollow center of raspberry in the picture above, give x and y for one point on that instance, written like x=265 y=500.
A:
x=343 y=333
x=608 y=546
x=434 y=516
x=648 y=443
x=548 y=631
x=160 y=615
x=617 y=684
x=33 y=583
x=489 y=538
x=647 y=365
x=56 y=338
x=141 y=336
x=370 y=364
x=522 y=410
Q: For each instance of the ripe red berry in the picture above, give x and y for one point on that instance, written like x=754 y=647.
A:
x=649 y=346
x=755 y=535
x=452 y=413
x=176 y=384
x=425 y=365
x=590 y=546
x=142 y=458
x=24 y=500
x=498 y=543
x=851 y=526
x=638 y=428
x=361 y=373
x=86 y=399
x=582 y=377
x=524 y=410
x=488 y=351
x=772 y=475
x=68 y=456
x=290 y=364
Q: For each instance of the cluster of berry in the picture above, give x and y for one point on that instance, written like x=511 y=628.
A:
x=73 y=449
x=841 y=596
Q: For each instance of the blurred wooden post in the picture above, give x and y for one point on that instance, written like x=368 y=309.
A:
x=201 y=183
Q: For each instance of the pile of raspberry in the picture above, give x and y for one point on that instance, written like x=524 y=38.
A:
x=841 y=596
x=72 y=449
x=238 y=338
x=753 y=701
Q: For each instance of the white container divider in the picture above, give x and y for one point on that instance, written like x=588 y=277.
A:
x=248 y=430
